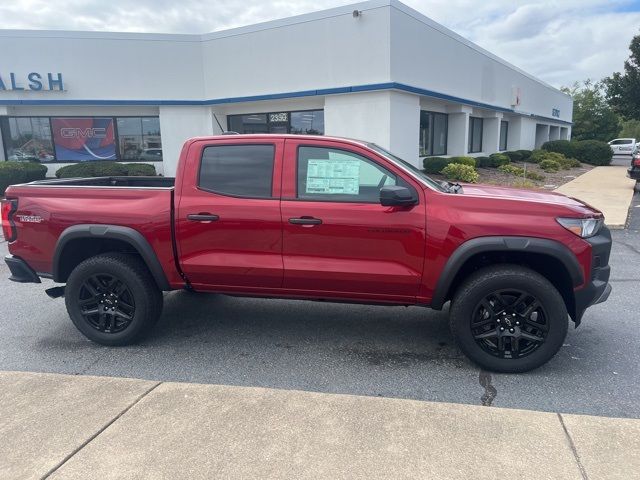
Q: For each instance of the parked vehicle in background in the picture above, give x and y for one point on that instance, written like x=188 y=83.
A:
x=623 y=146
x=151 y=155
x=315 y=218
x=634 y=168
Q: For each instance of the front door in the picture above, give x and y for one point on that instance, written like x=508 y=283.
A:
x=229 y=231
x=338 y=240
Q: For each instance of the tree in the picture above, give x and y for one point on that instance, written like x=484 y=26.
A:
x=630 y=129
x=623 y=89
x=593 y=118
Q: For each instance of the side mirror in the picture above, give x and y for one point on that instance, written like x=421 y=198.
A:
x=393 y=196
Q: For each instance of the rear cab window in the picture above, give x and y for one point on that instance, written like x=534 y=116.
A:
x=241 y=170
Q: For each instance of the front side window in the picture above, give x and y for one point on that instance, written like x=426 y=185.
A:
x=335 y=175
x=433 y=133
x=237 y=170
x=504 y=133
x=308 y=122
x=475 y=135
x=27 y=139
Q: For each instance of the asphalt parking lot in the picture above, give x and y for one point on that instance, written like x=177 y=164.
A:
x=377 y=351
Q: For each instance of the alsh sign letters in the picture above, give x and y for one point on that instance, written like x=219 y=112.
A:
x=33 y=81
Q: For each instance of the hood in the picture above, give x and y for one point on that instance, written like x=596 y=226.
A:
x=537 y=196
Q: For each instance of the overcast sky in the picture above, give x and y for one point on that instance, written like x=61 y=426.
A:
x=560 y=41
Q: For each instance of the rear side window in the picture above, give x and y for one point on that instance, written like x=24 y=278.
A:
x=238 y=170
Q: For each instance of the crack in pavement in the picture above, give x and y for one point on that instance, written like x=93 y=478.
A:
x=572 y=445
x=92 y=437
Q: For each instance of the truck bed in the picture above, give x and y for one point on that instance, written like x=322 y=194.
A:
x=146 y=182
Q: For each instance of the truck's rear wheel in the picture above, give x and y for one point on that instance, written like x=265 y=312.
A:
x=112 y=298
x=508 y=318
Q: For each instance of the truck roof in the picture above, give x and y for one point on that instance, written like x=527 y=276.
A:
x=284 y=136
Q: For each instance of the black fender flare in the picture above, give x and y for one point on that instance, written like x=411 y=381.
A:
x=116 y=232
x=503 y=244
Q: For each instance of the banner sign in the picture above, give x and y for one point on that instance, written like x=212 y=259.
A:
x=84 y=139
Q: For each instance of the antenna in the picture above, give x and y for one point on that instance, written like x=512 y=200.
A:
x=222 y=130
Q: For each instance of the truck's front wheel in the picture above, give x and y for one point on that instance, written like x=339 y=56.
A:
x=112 y=298
x=508 y=318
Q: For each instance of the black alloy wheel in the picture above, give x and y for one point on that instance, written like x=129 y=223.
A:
x=509 y=324
x=106 y=303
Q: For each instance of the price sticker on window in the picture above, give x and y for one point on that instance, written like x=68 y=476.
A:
x=333 y=177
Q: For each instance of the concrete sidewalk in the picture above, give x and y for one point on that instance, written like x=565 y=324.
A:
x=63 y=427
x=606 y=188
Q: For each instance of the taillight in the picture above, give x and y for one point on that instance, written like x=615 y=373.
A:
x=9 y=207
x=636 y=161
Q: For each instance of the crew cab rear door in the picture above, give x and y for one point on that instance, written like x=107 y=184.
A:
x=228 y=223
x=338 y=240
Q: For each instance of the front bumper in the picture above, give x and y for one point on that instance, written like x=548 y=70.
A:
x=598 y=288
x=20 y=271
x=633 y=172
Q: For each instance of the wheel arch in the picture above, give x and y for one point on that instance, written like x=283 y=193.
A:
x=79 y=242
x=548 y=257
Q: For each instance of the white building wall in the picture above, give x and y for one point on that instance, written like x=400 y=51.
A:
x=178 y=124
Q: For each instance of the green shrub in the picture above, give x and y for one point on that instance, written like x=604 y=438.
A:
x=568 y=163
x=483 y=162
x=538 y=156
x=593 y=152
x=534 y=176
x=20 y=172
x=458 y=171
x=105 y=169
x=514 y=156
x=524 y=184
x=512 y=170
x=565 y=147
x=464 y=161
x=435 y=164
x=498 y=159
x=549 y=165
x=525 y=154
x=140 y=170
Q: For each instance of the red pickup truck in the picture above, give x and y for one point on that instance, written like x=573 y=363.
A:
x=315 y=218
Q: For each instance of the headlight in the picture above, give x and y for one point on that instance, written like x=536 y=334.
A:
x=583 y=227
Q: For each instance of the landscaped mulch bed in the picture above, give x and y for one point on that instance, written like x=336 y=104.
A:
x=493 y=176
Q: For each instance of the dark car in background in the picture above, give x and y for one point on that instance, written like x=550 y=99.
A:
x=634 y=168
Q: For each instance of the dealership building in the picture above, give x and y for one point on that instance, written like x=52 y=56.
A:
x=377 y=71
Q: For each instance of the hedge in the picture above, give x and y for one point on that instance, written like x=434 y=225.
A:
x=105 y=169
x=593 y=152
x=435 y=164
x=514 y=156
x=483 y=162
x=565 y=147
x=458 y=171
x=498 y=159
x=470 y=161
x=549 y=165
x=525 y=154
x=20 y=172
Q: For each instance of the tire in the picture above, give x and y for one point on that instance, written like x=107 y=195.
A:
x=112 y=299
x=486 y=307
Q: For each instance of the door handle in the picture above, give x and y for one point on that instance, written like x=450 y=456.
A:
x=305 y=221
x=202 y=217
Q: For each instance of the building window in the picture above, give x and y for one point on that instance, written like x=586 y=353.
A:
x=80 y=139
x=237 y=170
x=306 y=122
x=433 y=133
x=475 y=135
x=27 y=139
x=139 y=139
x=504 y=135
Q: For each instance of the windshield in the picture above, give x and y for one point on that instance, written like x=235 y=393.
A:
x=412 y=168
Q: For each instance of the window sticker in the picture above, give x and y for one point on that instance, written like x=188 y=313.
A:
x=333 y=176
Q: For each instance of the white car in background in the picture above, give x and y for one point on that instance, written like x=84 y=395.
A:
x=623 y=146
